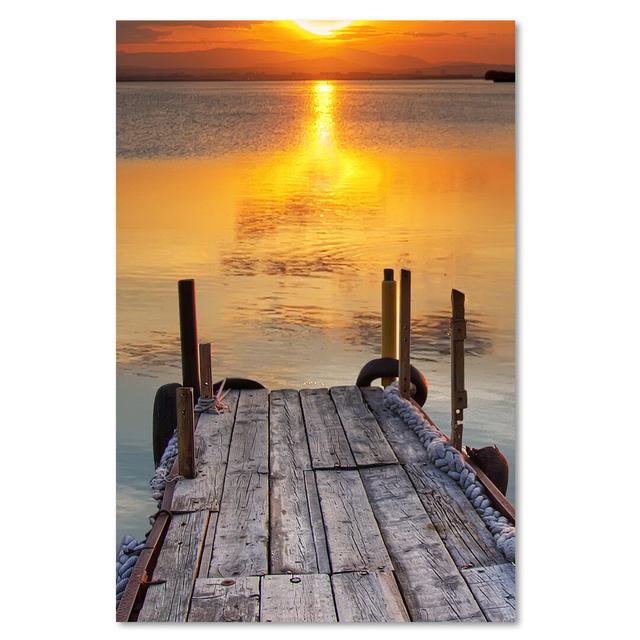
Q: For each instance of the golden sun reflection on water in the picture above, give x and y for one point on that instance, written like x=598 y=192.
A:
x=323 y=106
x=287 y=247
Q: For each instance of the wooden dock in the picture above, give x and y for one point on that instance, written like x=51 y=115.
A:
x=316 y=506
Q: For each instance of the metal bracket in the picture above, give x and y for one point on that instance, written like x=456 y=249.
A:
x=461 y=399
x=458 y=329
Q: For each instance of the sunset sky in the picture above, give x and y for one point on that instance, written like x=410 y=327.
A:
x=314 y=46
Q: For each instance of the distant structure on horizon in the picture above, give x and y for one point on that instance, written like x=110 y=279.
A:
x=500 y=76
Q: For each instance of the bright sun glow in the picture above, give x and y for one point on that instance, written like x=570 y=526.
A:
x=322 y=27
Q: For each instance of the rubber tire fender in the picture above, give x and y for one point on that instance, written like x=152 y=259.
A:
x=164 y=418
x=388 y=368
x=237 y=383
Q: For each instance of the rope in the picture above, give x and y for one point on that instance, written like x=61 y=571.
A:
x=126 y=559
x=449 y=460
x=130 y=548
x=158 y=482
x=205 y=405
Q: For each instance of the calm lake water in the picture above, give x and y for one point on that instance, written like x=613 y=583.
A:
x=285 y=201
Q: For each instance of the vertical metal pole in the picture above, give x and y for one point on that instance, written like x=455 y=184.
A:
x=189 y=335
x=389 y=320
x=458 y=332
x=206 y=371
x=405 y=334
x=185 y=421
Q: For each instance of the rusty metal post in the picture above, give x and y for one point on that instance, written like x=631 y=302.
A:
x=189 y=335
x=458 y=332
x=389 y=320
x=185 y=421
x=404 y=372
x=206 y=371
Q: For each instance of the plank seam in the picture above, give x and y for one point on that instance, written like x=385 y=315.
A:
x=315 y=479
x=196 y=571
x=224 y=482
x=346 y=435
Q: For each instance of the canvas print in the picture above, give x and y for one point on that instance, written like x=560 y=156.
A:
x=315 y=321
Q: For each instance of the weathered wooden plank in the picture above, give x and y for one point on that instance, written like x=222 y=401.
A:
x=207 y=548
x=298 y=598
x=464 y=534
x=494 y=589
x=402 y=439
x=433 y=589
x=292 y=544
x=288 y=448
x=249 y=450
x=328 y=443
x=226 y=600
x=353 y=537
x=368 y=597
x=177 y=566
x=367 y=442
x=241 y=540
x=212 y=436
x=317 y=523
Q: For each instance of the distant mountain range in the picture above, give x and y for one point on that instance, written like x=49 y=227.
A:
x=227 y=63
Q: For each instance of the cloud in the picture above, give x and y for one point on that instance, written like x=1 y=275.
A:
x=359 y=31
x=141 y=31
x=434 y=34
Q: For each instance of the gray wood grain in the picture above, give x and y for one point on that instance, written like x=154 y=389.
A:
x=288 y=448
x=249 y=450
x=367 y=441
x=177 y=565
x=328 y=443
x=431 y=584
x=216 y=601
x=317 y=523
x=368 y=597
x=212 y=436
x=403 y=441
x=353 y=537
x=242 y=533
x=301 y=598
x=292 y=544
x=456 y=521
x=494 y=589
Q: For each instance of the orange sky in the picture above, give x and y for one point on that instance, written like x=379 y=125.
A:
x=431 y=42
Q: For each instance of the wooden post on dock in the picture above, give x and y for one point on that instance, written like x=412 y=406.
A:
x=389 y=320
x=458 y=332
x=189 y=335
x=404 y=369
x=206 y=371
x=185 y=419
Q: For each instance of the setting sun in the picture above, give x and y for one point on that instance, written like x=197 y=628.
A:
x=322 y=27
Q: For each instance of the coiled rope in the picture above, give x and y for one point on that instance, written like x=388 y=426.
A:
x=449 y=460
x=126 y=559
